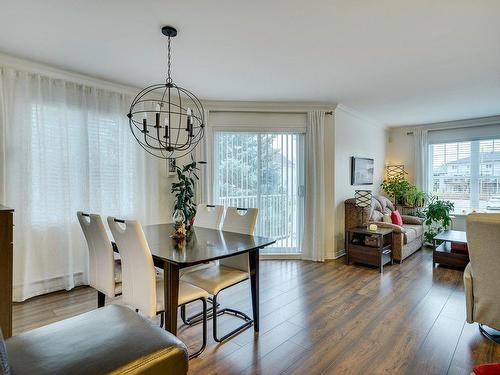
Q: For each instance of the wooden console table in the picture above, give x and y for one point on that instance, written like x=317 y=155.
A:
x=6 y=234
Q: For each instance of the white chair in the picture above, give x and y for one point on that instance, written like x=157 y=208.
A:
x=230 y=271
x=140 y=288
x=104 y=270
x=208 y=216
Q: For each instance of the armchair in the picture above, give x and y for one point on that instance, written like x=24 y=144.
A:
x=407 y=238
x=481 y=280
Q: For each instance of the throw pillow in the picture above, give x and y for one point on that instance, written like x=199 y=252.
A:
x=387 y=219
x=487 y=369
x=396 y=218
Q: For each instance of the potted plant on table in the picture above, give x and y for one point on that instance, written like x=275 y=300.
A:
x=437 y=217
x=184 y=205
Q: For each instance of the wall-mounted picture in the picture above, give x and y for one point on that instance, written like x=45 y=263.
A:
x=361 y=171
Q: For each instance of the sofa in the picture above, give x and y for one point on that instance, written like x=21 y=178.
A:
x=110 y=340
x=406 y=240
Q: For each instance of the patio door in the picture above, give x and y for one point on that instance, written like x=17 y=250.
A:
x=264 y=170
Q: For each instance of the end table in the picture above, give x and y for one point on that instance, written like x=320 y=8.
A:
x=369 y=247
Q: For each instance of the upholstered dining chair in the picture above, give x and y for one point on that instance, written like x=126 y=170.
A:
x=230 y=271
x=209 y=216
x=140 y=288
x=104 y=271
x=481 y=276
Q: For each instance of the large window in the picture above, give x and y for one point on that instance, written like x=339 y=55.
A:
x=467 y=173
x=265 y=171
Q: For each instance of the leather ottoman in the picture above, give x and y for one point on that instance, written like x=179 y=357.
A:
x=109 y=340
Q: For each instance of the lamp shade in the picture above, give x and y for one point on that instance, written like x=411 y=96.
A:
x=395 y=170
x=363 y=198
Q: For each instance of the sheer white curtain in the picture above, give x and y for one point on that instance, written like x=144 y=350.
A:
x=66 y=147
x=421 y=156
x=314 y=221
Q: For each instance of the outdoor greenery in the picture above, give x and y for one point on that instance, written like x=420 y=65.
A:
x=437 y=217
x=184 y=190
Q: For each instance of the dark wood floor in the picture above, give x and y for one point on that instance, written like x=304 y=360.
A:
x=327 y=319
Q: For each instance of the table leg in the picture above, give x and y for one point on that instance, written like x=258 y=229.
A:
x=433 y=253
x=253 y=257
x=171 y=297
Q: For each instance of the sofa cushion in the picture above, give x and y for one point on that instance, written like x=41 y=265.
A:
x=112 y=339
x=412 y=232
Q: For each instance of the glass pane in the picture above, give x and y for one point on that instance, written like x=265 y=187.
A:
x=451 y=173
x=264 y=171
x=489 y=175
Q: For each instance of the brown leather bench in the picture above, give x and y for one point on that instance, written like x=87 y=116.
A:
x=109 y=340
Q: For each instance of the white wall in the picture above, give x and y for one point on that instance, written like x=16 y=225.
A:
x=353 y=135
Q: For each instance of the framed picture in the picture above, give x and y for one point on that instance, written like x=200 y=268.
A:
x=361 y=171
x=171 y=170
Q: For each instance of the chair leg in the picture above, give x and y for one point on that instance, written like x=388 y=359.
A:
x=162 y=319
x=196 y=318
x=101 y=299
x=204 y=320
x=239 y=314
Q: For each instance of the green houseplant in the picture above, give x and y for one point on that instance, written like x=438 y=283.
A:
x=415 y=198
x=396 y=187
x=437 y=217
x=184 y=191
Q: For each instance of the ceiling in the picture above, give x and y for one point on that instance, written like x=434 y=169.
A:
x=397 y=61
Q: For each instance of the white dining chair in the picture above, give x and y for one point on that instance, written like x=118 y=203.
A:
x=104 y=271
x=140 y=288
x=209 y=216
x=230 y=271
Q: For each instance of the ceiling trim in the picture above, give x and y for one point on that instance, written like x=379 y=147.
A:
x=65 y=75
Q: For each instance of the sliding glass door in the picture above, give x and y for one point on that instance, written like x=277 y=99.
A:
x=264 y=170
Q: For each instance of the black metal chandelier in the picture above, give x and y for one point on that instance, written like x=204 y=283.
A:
x=167 y=120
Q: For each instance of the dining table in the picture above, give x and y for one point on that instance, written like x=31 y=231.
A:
x=203 y=245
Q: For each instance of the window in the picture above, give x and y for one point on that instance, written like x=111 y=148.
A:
x=265 y=171
x=467 y=173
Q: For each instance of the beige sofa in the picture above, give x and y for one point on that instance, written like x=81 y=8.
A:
x=481 y=280
x=407 y=238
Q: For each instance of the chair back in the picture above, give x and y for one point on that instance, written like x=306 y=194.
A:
x=138 y=271
x=239 y=223
x=101 y=257
x=483 y=240
x=208 y=216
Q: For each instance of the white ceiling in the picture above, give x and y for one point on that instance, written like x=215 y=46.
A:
x=396 y=61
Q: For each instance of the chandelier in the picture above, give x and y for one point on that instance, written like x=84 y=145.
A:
x=166 y=119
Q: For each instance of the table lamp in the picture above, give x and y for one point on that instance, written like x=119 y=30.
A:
x=363 y=199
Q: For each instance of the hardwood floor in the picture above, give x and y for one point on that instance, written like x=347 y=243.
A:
x=326 y=319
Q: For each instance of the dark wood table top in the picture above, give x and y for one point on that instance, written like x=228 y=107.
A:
x=452 y=236
x=381 y=231
x=204 y=245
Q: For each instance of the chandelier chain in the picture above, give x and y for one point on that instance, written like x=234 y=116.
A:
x=169 y=56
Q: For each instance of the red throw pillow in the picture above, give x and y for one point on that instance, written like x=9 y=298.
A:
x=396 y=218
x=487 y=369
x=461 y=248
